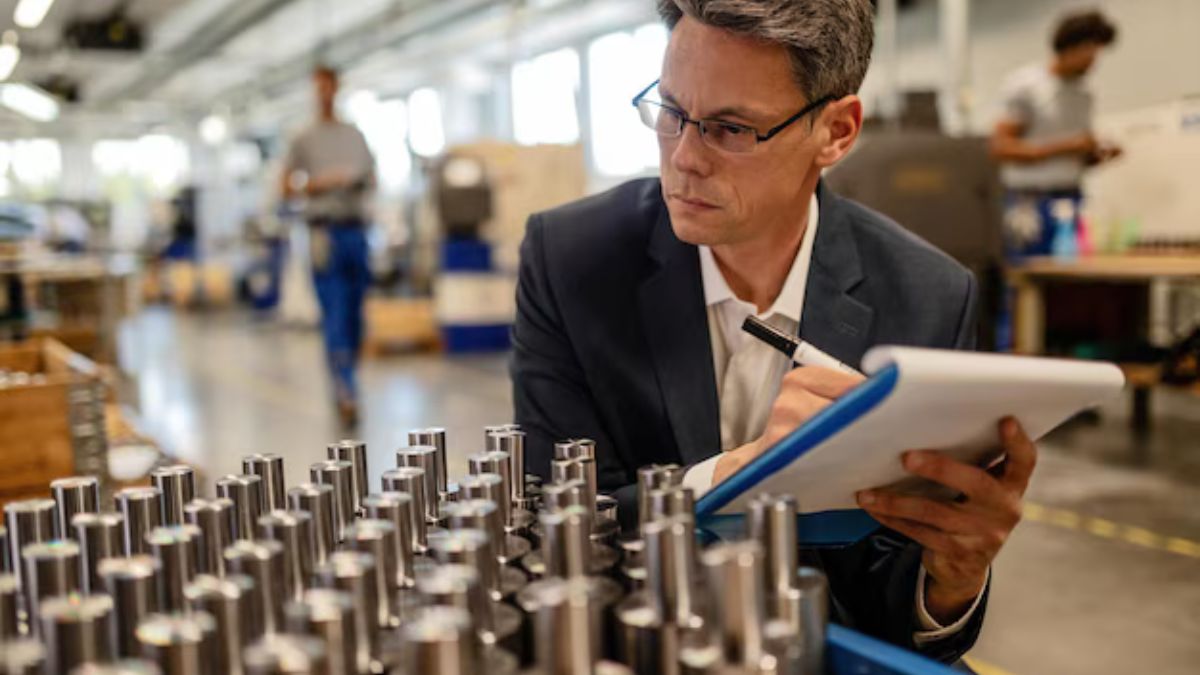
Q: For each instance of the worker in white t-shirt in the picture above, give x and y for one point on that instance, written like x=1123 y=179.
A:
x=1044 y=138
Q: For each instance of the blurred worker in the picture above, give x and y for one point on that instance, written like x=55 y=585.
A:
x=630 y=305
x=1045 y=139
x=333 y=165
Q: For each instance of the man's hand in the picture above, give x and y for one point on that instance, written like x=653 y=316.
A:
x=961 y=539
x=327 y=181
x=1104 y=152
x=803 y=393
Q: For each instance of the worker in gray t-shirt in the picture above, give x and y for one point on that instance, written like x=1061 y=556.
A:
x=1044 y=139
x=330 y=166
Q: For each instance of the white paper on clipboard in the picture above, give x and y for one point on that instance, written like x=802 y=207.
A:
x=943 y=400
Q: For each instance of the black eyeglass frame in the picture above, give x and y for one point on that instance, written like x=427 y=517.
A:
x=761 y=138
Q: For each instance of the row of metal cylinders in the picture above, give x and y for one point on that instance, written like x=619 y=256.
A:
x=349 y=582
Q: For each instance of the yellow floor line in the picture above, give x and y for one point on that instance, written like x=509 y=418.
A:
x=1107 y=529
x=983 y=667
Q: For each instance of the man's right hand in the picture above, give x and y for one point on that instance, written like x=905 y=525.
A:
x=804 y=392
x=1084 y=145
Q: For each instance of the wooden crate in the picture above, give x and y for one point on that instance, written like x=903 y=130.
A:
x=53 y=427
x=397 y=324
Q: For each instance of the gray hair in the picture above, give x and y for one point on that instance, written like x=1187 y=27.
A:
x=829 y=41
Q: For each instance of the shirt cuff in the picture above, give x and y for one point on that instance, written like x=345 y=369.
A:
x=931 y=630
x=700 y=477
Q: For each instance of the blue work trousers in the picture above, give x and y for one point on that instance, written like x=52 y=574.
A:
x=341 y=274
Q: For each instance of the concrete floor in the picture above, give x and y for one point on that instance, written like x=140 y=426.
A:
x=1103 y=577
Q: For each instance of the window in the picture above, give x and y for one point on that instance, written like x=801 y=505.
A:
x=620 y=65
x=36 y=163
x=161 y=163
x=385 y=126
x=544 y=90
x=427 y=135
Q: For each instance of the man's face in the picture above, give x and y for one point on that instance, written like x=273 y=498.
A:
x=326 y=88
x=1077 y=61
x=714 y=197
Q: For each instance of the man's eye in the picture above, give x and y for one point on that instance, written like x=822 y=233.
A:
x=731 y=129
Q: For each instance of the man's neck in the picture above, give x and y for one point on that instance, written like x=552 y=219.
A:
x=756 y=270
x=327 y=116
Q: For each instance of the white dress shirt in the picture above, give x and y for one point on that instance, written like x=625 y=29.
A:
x=749 y=374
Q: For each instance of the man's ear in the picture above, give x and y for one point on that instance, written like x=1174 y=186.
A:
x=842 y=121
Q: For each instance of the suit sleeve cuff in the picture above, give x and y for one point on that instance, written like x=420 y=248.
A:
x=700 y=476
x=931 y=630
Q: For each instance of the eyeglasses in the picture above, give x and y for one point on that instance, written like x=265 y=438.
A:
x=668 y=122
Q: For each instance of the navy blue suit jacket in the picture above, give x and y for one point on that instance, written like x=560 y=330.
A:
x=611 y=343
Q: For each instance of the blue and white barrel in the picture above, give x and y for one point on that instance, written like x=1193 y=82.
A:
x=473 y=303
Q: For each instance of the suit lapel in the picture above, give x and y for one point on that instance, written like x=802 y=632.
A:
x=671 y=304
x=833 y=320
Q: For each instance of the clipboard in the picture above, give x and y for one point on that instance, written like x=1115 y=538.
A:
x=914 y=399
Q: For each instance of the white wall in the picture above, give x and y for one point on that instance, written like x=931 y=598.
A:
x=1156 y=59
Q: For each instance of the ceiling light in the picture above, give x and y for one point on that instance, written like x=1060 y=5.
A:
x=9 y=55
x=30 y=13
x=29 y=101
x=214 y=129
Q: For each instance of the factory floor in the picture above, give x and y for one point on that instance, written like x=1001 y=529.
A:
x=1102 y=577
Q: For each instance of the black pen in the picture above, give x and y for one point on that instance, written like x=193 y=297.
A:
x=799 y=351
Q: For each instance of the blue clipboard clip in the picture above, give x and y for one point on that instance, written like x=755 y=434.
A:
x=829 y=528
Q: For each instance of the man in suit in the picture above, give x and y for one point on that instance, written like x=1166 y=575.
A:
x=630 y=305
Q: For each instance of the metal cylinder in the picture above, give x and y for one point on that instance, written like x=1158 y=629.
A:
x=177 y=484
x=439 y=641
x=180 y=644
x=338 y=474
x=228 y=601
x=434 y=437
x=177 y=550
x=493 y=432
x=262 y=561
x=121 y=667
x=354 y=452
x=76 y=629
x=804 y=609
x=499 y=464
x=672 y=501
x=459 y=586
x=141 y=507
x=650 y=478
x=411 y=481
x=52 y=568
x=328 y=615
x=10 y=594
x=5 y=558
x=245 y=491
x=28 y=522
x=215 y=520
x=558 y=495
x=670 y=573
x=472 y=548
x=77 y=494
x=377 y=538
x=483 y=514
x=286 y=655
x=23 y=657
x=292 y=529
x=735 y=581
x=353 y=573
x=424 y=457
x=771 y=521
x=268 y=467
x=317 y=501
x=100 y=536
x=397 y=509
x=565 y=542
x=132 y=583
x=512 y=443
x=583 y=469
x=567 y=635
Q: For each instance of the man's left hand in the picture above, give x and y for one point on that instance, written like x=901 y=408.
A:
x=960 y=538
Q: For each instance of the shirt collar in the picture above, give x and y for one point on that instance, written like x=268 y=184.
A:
x=791 y=297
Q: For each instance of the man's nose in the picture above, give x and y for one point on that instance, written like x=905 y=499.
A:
x=691 y=154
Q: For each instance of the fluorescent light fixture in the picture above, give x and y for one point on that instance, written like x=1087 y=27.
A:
x=9 y=55
x=214 y=130
x=29 y=101
x=30 y=13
